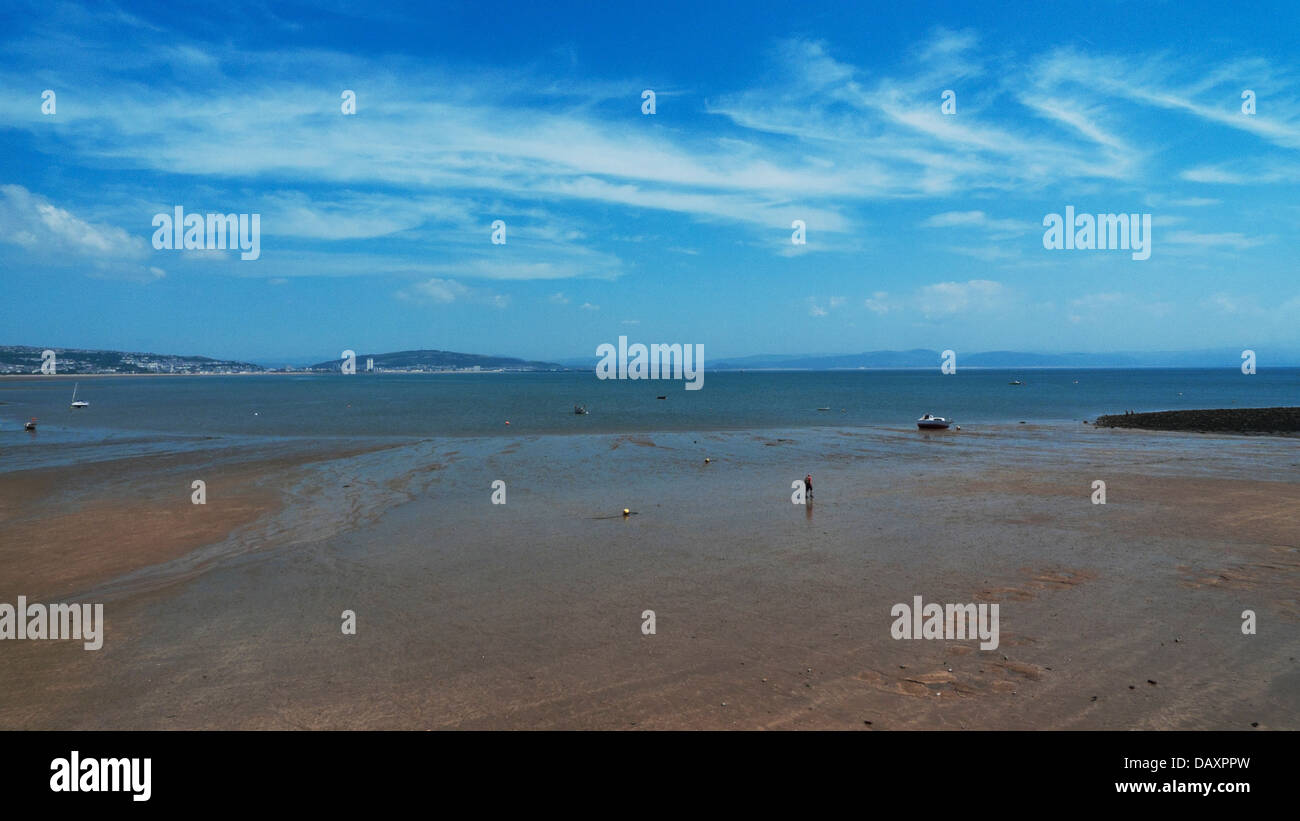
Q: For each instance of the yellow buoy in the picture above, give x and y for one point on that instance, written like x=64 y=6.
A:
x=626 y=511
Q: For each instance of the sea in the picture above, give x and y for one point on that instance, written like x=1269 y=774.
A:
x=133 y=415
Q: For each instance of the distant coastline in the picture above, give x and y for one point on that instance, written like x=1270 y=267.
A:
x=30 y=360
x=22 y=377
x=15 y=375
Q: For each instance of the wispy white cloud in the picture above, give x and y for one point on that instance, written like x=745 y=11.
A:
x=51 y=234
x=436 y=290
x=818 y=307
x=1261 y=172
x=977 y=219
x=972 y=296
x=879 y=303
x=1228 y=240
x=447 y=291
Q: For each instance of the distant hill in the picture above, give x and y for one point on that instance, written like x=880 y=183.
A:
x=438 y=361
x=917 y=358
x=923 y=358
x=23 y=359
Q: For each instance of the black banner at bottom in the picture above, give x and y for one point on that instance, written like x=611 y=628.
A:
x=218 y=770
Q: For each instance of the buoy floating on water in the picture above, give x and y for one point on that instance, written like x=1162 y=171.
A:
x=707 y=460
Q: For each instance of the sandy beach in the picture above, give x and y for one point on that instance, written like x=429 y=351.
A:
x=768 y=614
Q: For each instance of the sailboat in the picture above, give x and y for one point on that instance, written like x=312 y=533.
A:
x=82 y=404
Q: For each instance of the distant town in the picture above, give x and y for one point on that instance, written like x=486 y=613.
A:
x=26 y=360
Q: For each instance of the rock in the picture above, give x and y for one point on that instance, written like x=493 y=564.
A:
x=1232 y=420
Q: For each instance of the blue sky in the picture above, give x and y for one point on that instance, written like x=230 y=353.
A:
x=923 y=229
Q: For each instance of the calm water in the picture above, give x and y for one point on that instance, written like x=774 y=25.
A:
x=139 y=415
x=480 y=404
x=134 y=410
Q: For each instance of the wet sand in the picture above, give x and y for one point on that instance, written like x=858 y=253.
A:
x=68 y=529
x=768 y=614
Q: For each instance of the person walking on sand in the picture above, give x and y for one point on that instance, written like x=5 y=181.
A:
x=807 y=484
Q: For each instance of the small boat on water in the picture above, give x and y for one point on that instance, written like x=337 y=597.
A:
x=30 y=425
x=580 y=410
x=1015 y=382
x=932 y=422
x=823 y=409
x=83 y=403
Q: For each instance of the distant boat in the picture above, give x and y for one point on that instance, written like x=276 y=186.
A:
x=1015 y=382
x=75 y=403
x=823 y=409
x=665 y=396
x=30 y=425
x=580 y=410
x=931 y=422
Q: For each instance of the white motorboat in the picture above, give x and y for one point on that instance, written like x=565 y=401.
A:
x=932 y=422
